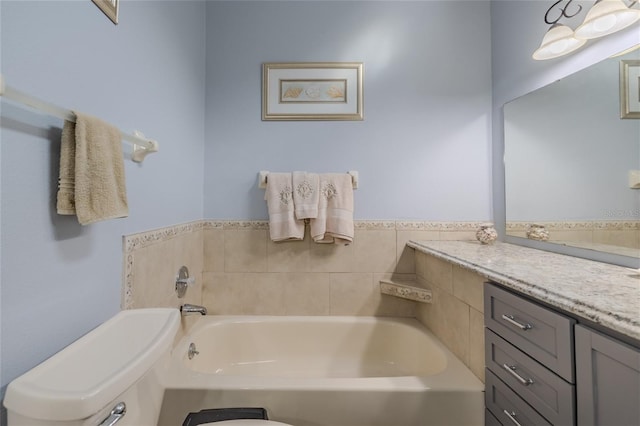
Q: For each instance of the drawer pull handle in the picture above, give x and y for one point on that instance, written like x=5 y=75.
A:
x=512 y=370
x=512 y=417
x=511 y=320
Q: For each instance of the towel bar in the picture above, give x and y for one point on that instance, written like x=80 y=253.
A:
x=262 y=178
x=141 y=145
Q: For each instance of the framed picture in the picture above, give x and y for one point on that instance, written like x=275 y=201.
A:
x=630 y=88
x=312 y=91
x=109 y=7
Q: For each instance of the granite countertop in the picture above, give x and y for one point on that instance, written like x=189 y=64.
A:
x=605 y=294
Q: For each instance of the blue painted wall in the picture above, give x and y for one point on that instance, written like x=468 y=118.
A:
x=423 y=150
x=188 y=74
x=60 y=280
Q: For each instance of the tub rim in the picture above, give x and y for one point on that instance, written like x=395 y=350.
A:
x=455 y=377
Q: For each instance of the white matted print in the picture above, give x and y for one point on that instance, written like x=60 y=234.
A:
x=312 y=91
x=630 y=88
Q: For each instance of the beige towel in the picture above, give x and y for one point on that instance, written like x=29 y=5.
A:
x=92 y=181
x=334 y=223
x=66 y=203
x=306 y=189
x=282 y=222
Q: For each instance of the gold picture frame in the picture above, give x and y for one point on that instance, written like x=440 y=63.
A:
x=110 y=8
x=312 y=91
x=630 y=88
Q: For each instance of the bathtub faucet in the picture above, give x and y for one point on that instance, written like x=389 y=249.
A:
x=188 y=309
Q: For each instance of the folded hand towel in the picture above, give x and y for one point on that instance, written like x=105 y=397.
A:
x=282 y=222
x=92 y=180
x=334 y=223
x=306 y=189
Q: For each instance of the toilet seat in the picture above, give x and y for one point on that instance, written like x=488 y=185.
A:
x=246 y=423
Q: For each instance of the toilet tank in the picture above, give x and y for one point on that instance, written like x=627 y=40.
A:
x=118 y=361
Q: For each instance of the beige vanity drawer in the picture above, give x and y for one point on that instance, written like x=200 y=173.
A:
x=550 y=395
x=507 y=406
x=541 y=333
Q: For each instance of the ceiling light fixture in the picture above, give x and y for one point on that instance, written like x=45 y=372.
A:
x=607 y=17
x=558 y=41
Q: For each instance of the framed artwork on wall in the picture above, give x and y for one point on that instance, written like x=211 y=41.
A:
x=630 y=88
x=109 y=7
x=312 y=91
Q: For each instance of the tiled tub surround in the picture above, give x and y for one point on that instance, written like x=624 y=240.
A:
x=244 y=273
x=151 y=263
x=604 y=295
x=456 y=312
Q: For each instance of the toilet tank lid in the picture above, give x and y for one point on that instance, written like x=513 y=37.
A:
x=82 y=378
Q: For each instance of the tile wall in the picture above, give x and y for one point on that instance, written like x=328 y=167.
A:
x=239 y=271
x=151 y=263
x=246 y=273
x=456 y=314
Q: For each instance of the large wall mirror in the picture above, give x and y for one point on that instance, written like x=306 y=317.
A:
x=570 y=158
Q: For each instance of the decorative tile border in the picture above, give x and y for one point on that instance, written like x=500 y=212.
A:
x=404 y=225
x=144 y=239
x=254 y=225
x=437 y=226
x=127 y=283
x=578 y=226
x=212 y=224
x=405 y=291
x=374 y=225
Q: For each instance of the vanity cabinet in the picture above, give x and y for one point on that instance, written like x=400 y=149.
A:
x=545 y=368
x=529 y=357
x=608 y=380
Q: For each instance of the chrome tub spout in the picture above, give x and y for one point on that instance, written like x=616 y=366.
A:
x=188 y=309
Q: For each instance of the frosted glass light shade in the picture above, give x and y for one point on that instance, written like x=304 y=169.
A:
x=606 y=17
x=558 y=41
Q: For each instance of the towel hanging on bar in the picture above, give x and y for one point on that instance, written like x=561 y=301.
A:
x=141 y=145
x=263 y=174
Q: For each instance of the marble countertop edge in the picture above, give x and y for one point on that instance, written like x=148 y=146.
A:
x=565 y=301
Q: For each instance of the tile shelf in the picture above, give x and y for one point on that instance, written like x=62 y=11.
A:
x=405 y=290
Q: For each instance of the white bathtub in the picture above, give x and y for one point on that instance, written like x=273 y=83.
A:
x=322 y=371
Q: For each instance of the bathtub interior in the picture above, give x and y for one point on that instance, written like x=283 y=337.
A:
x=417 y=381
x=312 y=347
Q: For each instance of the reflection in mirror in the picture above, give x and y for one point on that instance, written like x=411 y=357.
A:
x=570 y=161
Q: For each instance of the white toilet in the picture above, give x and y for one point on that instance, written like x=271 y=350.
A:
x=111 y=375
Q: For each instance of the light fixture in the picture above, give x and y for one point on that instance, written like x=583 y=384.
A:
x=558 y=41
x=606 y=17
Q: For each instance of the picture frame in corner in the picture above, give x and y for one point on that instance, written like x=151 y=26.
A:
x=630 y=88
x=109 y=8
